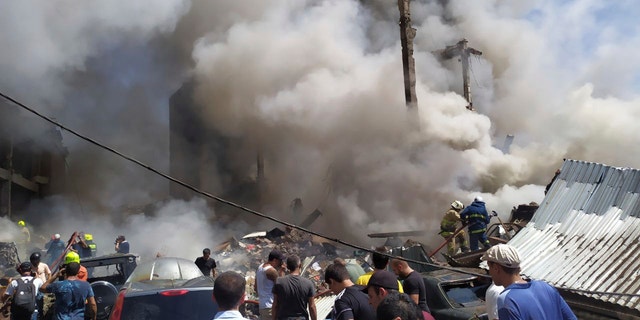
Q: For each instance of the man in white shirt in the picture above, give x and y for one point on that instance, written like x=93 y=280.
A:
x=26 y=285
x=266 y=276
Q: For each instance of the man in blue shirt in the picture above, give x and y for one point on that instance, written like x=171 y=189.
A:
x=520 y=299
x=122 y=245
x=228 y=293
x=71 y=294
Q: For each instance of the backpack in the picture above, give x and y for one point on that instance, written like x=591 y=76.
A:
x=24 y=297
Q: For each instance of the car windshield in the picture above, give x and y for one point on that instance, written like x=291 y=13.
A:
x=165 y=269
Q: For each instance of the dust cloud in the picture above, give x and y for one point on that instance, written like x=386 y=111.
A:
x=317 y=87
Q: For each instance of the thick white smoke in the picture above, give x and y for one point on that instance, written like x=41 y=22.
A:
x=317 y=86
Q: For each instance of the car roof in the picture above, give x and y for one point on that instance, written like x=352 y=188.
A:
x=165 y=268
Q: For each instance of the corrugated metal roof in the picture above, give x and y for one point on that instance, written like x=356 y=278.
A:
x=585 y=233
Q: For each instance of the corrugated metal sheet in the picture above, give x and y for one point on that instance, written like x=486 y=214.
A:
x=324 y=305
x=585 y=234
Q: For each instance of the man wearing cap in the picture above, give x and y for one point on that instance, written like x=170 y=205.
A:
x=82 y=271
x=206 y=264
x=266 y=276
x=351 y=303
x=293 y=294
x=71 y=294
x=521 y=299
x=476 y=217
x=381 y=284
x=19 y=313
x=55 y=248
x=449 y=226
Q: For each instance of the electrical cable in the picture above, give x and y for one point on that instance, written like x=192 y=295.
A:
x=216 y=198
x=262 y=215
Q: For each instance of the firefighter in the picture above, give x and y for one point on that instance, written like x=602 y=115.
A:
x=449 y=225
x=476 y=217
x=88 y=239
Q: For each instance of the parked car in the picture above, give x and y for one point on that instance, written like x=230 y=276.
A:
x=165 y=288
x=107 y=274
x=455 y=296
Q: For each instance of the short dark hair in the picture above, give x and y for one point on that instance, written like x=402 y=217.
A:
x=121 y=237
x=206 y=251
x=337 y=272
x=400 y=305
x=293 y=262
x=228 y=289
x=72 y=269
x=275 y=255
x=379 y=260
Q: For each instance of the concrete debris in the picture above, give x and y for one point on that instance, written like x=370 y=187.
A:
x=246 y=254
x=8 y=259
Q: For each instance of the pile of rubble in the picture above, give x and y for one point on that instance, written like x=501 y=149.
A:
x=246 y=254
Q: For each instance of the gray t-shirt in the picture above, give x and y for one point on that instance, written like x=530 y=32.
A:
x=293 y=294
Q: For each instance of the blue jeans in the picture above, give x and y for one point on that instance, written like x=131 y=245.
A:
x=39 y=304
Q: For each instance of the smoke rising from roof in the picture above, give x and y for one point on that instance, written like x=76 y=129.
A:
x=317 y=87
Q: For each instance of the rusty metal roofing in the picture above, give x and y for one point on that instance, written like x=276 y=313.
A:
x=585 y=234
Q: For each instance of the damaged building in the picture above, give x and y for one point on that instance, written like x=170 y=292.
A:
x=203 y=157
x=32 y=161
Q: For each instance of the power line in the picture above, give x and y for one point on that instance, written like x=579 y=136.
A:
x=262 y=215
x=216 y=198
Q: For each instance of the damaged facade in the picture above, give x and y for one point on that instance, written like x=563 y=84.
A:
x=201 y=156
x=32 y=161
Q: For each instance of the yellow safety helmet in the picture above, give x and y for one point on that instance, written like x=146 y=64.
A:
x=88 y=236
x=21 y=223
x=71 y=257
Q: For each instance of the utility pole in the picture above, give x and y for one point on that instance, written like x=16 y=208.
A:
x=461 y=49
x=407 y=34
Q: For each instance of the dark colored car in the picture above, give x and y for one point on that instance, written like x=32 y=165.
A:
x=454 y=295
x=106 y=275
x=163 y=289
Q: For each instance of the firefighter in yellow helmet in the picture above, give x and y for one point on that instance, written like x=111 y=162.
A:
x=73 y=256
x=450 y=223
x=25 y=241
x=88 y=239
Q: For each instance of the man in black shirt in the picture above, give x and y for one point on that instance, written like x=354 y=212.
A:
x=206 y=264
x=412 y=283
x=351 y=303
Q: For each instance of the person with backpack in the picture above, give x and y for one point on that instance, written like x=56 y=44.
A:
x=23 y=290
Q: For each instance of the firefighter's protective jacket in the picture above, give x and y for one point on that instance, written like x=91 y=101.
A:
x=476 y=216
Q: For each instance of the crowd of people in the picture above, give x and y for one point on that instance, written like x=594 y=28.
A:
x=392 y=290
x=285 y=295
x=74 y=297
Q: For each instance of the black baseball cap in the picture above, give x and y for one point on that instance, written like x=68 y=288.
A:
x=275 y=254
x=383 y=279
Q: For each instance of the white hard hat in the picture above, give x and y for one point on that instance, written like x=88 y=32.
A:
x=457 y=205
x=479 y=198
x=57 y=236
